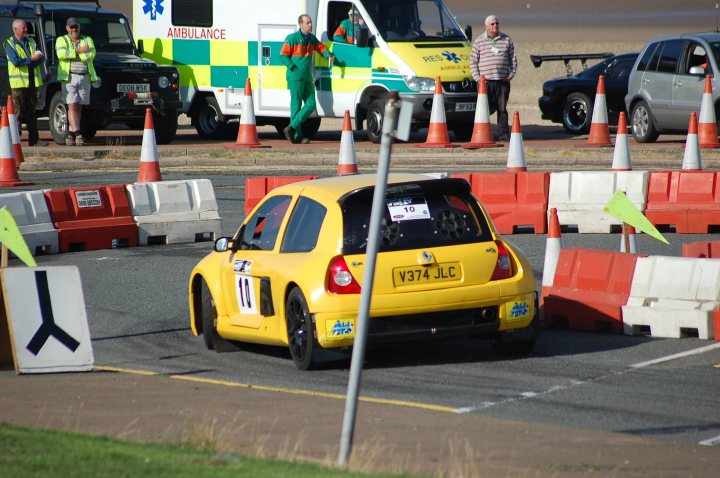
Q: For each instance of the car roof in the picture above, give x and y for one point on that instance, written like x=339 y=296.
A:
x=709 y=37
x=338 y=186
x=26 y=9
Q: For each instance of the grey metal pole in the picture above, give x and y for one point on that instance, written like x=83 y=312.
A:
x=373 y=244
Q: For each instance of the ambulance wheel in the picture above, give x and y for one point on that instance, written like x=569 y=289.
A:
x=207 y=119
x=310 y=127
x=58 y=118
x=212 y=339
x=282 y=123
x=374 y=119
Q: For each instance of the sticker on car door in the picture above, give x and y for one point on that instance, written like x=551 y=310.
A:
x=245 y=290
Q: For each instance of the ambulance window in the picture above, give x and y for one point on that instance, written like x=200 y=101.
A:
x=192 y=13
x=337 y=12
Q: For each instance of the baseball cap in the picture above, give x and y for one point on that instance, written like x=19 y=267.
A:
x=72 y=21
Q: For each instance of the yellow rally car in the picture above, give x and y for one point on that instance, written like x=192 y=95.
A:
x=292 y=274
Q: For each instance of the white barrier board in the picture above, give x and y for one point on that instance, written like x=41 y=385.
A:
x=45 y=311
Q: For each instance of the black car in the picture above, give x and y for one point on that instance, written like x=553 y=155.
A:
x=569 y=100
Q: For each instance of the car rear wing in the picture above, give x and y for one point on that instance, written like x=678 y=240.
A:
x=537 y=60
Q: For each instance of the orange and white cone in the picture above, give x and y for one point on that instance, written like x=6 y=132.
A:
x=149 y=160
x=631 y=241
x=599 y=130
x=15 y=131
x=438 y=136
x=691 y=158
x=707 y=123
x=482 y=131
x=347 y=164
x=8 y=169
x=247 y=133
x=621 y=155
x=553 y=244
x=516 y=150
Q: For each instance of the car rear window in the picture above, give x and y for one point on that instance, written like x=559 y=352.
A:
x=416 y=215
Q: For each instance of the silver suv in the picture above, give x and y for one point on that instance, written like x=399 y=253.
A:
x=668 y=81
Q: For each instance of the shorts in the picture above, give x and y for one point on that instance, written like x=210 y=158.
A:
x=76 y=89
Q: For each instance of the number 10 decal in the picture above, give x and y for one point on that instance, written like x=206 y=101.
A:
x=245 y=288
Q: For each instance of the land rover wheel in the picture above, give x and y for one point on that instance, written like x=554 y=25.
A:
x=207 y=119
x=58 y=118
x=374 y=119
x=166 y=127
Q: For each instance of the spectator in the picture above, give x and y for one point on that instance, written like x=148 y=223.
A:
x=76 y=72
x=297 y=55
x=25 y=78
x=493 y=56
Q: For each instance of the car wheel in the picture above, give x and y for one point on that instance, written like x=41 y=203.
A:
x=577 y=113
x=58 y=118
x=643 y=128
x=212 y=339
x=462 y=131
x=166 y=126
x=207 y=122
x=300 y=330
x=374 y=120
x=280 y=126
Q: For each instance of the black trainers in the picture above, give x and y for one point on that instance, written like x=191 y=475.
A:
x=304 y=140
x=289 y=133
x=41 y=143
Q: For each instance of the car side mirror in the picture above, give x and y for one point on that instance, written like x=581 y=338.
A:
x=140 y=47
x=222 y=244
x=363 y=36
x=468 y=33
x=697 y=70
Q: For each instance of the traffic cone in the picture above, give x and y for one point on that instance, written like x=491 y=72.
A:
x=553 y=244
x=599 y=132
x=516 y=150
x=707 y=124
x=437 y=131
x=347 y=163
x=149 y=160
x=621 y=155
x=691 y=158
x=15 y=131
x=482 y=131
x=8 y=168
x=247 y=134
x=628 y=239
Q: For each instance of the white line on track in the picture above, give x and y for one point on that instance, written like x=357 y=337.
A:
x=711 y=441
x=575 y=383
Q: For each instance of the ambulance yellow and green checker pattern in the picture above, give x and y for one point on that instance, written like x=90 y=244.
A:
x=227 y=63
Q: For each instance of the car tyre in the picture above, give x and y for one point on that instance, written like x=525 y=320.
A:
x=577 y=113
x=166 y=127
x=310 y=127
x=300 y=330
x=212 y=339
x=462 y=131
x=642 y=125
x=58 y=118
x=374 y=120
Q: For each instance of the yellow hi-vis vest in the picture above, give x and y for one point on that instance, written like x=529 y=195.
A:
x=19 y=76
x=66 y=53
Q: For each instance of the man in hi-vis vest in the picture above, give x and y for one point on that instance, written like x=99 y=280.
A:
x=76 y=73
x=25 y=78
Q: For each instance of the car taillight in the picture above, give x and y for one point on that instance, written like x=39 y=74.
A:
x=339 y=279
x=503 y=267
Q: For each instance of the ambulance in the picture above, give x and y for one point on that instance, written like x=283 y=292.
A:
x=401 y=45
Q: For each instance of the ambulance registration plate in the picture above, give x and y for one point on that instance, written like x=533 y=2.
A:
x=446 y=271
x=133 y=87
x=464 y=106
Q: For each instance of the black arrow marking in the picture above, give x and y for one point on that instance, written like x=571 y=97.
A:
x=48 y=328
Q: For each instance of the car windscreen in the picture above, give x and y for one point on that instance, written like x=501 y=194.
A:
x=109 y=32
x=416 y=215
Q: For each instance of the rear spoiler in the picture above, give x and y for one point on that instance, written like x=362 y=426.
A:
x=537 y=60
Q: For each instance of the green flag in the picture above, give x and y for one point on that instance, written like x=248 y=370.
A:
x=621 y=208
x=12 y=238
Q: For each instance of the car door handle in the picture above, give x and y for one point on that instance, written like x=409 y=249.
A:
x=646 y=81
x=677 y=84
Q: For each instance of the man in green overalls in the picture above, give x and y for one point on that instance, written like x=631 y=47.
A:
x=297 y=55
